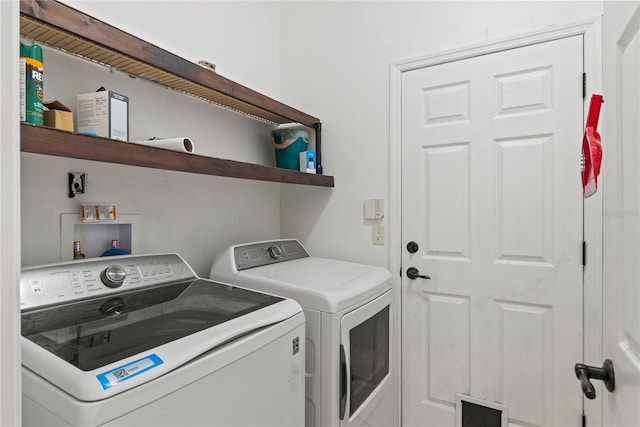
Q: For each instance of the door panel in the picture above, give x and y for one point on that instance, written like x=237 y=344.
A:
x=622 y=212
x=491 y=193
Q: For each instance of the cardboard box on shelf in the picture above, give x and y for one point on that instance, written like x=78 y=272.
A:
x=104 y=113
x=58 y=115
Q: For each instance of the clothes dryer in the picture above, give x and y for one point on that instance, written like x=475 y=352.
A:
x=349 y=327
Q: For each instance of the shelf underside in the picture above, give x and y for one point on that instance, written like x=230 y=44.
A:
x=54 y=142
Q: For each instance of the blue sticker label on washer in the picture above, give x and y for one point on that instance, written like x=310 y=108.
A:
x=130 y=370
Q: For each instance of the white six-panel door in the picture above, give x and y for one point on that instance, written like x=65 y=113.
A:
x=491 y=194
x=621 y=148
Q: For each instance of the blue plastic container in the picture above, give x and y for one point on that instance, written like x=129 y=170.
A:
x=288 y=144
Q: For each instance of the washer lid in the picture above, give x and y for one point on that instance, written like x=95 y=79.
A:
x=318 y=283
x=95 y=348
x=93 y=333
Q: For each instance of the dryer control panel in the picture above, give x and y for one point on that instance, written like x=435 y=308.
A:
x=264 y=253
x=59 y=283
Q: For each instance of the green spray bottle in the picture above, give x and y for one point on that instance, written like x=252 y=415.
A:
x=31 y=88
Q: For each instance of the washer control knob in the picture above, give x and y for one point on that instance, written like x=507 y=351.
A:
x=274 y=252
x=113 y=276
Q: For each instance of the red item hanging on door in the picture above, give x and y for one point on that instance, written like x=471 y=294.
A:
x=591 y=148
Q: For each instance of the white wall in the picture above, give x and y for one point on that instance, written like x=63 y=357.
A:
x=194 y=215
x=335 y=65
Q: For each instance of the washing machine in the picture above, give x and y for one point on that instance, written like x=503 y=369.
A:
x=349 y=327
x=140 y=340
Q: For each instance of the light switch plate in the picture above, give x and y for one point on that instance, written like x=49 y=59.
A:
x=378 y=234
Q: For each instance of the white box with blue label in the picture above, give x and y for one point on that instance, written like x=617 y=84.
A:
x=308 y=161
x=103 y=113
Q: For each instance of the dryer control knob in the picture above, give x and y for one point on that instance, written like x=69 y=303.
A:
x=113 y=276
x=274 y=252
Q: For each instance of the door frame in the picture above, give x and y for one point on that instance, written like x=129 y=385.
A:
x=591 y=30
x=10 y=351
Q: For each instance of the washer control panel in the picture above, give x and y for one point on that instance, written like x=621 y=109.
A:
x=64 y=282
x=265 y=253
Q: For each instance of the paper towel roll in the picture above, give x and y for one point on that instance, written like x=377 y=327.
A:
x=182 y=144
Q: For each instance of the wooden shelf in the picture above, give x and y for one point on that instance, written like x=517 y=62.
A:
x=61 y=27
x=55 y=142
